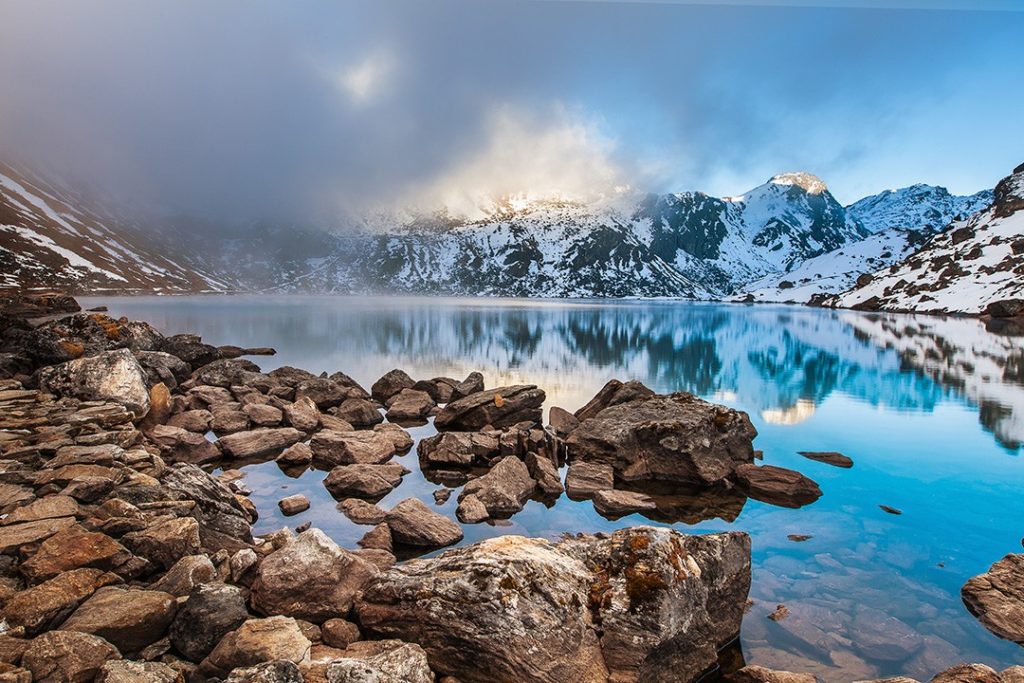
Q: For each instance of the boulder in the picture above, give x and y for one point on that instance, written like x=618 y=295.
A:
x=777 y=485
x=499 y=408
x=67 y=657
x=259 y=443
x=339 y=633
x=49 y=507
x=584 y=479
x=293 y=505
x=122 y=671
x=303 y=414
x=296 y=455
x=129 y=619
x=382 y=661
x=229 y=421
x=644 y=604
x=414 y=524
x=364 y=481
x=377 y=538
x=279 y=671
x=545 y=474
x=359 y=413
x=1005 y=308
x=504 y=490
x=391 y=384
x=191 y=349
x=677 y=438
x=969 y=673
x=186 y=574
x=400 y=438
x=74 y=548
x=325 y=393
x=459 y=449
x=471 y=510
x=332 y=447
x=310 y=578
x=562 y=421
x=410 y=405
x=192 y=420
x=263 y=415
x=165 y=541
x=473 y=384
x=113 y=376
x=180 y=445
x=361 y=512
x=232 y=372
x=257 y=641
x=996 y=598
x=611 y=503
x=211 y=612
x=612 y=394
x=45 y=606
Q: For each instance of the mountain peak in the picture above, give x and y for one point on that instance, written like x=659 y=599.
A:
x=809 y=182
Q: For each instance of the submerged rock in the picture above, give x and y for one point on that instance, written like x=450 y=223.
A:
x=498 y=408
x=777 y=485
x=645 y=604
x=996 y=598
x=678 y=438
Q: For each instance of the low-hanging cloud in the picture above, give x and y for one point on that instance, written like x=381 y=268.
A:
x=256 y=110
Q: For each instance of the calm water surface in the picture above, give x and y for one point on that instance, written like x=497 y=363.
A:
x=930 y=409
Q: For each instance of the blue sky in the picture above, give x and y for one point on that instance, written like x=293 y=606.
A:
x=259 y=108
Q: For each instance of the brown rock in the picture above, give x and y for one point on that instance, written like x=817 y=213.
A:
x=263 y=415
x=996 y=598
x=229 y=422
x=296 y=455
x=361 y=512
x=414 y=524
x=400 y=438
x=303 y=414
x=49 y=507
x=179 y=445
x=211 y=611
x=332 y=448
x=45 y=606
x=192 y=421
x=777 y=485
x=365 y=481
x=164 y=542
x=473 y=384
x=584 y=479
x=377 y=538
x=121 y=671
x=410 y=405
x=968 y=673
x=67 y=657
x=74 y=548
x=256 y=641
x=461 y=449
x=113 y=376
x=293 y=505
x=611 y=503
x=359 y=413
x=613 y=393
x=504 y=490
x=258 y=443
x=829 y=458
x=391 y=384
x=186 y=574
x=760 y=674
x=499 y=408
x=387 y=661
x=311 y=578
x=339 y=633
x=471 y=510
x=129 y=619
x=545 y=474
x=16 y=535
x=562 y=421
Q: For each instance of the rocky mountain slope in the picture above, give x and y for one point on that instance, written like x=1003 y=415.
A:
x=900 y=222
x=977 y=260
x=55 y=237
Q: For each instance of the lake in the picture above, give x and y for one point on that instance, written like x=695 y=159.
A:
x=930 y=409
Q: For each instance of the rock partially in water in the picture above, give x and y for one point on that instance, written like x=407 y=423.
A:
x=587 y=478
x=996 y=598
x=391 y=384
x=544 y=472
x=516 y=609
x=497 y=408
x=611 y=394
x=678 y=438
x=410 y=405
x=109 y=376
x=181 y=445
x=361 y=512
x=359 y=413
x=365 y=446
x=293 y=505
x=615 y=504
x=459 y=449
x=760 y=674
x=777 y=485
x=310 y=578
x=364 y=481
x=413 y=524
x=504 y=489
x=829 y=458
x=302 y=414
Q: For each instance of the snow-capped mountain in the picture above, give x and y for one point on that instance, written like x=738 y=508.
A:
x=974 y=261
x=900 y=222
x=55 y=237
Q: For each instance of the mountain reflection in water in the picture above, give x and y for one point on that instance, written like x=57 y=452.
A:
x=930 y=409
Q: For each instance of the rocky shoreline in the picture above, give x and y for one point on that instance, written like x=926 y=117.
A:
x=122 y=558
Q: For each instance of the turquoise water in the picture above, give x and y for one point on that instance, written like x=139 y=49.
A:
x=930 y=409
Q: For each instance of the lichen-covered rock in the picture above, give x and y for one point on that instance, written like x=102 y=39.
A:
x=645 y=604
x=109 y=376
x=678 y=438
x=499 y=408
x=123 y=671
x=310 y=578
x=257 y=641
x=381 y=661
x=996 y=598
x=279 y=671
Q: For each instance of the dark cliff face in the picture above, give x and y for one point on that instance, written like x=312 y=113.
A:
x=1008 y=197
x=692 y=222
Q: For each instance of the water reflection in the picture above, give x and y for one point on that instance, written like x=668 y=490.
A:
x=928 y=408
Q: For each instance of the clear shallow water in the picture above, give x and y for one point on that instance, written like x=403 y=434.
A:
x=930 y=409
